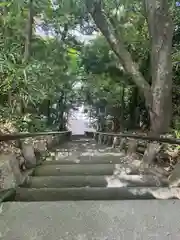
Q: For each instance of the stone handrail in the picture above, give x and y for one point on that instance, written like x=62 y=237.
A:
x=135 y=136
x=21 y=135
x=152 y=152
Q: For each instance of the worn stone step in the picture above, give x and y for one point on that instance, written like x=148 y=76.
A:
x=86 y=160
x=79 y=136
x=64 y=170
x=89 y=169
x=74 y=194
x=92 y=220
x=86 y=155
x=94 y=181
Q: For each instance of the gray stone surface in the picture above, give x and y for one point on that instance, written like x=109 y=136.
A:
x=49 y=141
x=174 y=178
x=71 y=170
x=40 y=146
x=86 y=160
x=95 y=193
x=29 y=155
x=10 y=175
x=95 y=181
x=110 y=220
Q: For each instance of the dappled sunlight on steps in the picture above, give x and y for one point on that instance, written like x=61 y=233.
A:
x=83 y=170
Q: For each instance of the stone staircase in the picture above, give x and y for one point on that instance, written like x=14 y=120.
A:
x=84 y=170
x=50 y=203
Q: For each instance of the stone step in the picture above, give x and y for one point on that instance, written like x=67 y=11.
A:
x=81 y=140
x=75 y=194
x=79 y=136
x=8 y=194
x=86 y=160
x=93 y=220
x=83 y=152
x=94 y=181
x=86 y=154
x=87 y=169
x=64 y=170
x=92 y=169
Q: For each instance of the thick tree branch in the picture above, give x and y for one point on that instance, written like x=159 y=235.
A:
x=95 y=9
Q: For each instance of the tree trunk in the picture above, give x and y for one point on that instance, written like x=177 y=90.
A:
x=27 y=51
x=29 y=26
x=161 y=32
x=48 y=111
x=157 y=96
x=133 y=109
x=116 y=124
x=61 y=112
x=122 y=108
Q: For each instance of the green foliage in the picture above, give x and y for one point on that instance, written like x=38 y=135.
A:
x=106 y=77
x=37 y=94
x=45 y=78
x=108 y=84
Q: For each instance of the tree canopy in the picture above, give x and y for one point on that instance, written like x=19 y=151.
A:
x=126 y=71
